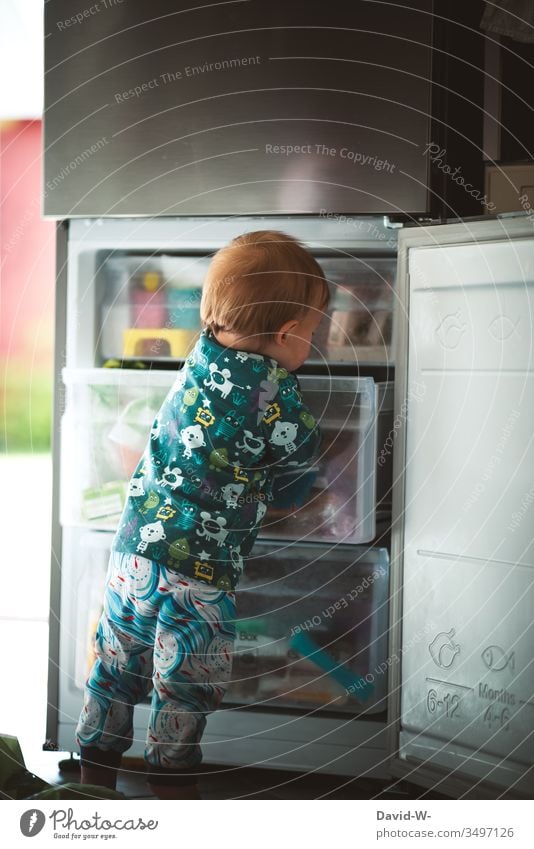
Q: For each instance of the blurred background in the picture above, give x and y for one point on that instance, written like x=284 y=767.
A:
x=27 y=256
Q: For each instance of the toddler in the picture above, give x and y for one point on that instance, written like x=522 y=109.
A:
x=196 y=500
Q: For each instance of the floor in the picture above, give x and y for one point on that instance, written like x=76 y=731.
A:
x=246 y=783
x=24 y=606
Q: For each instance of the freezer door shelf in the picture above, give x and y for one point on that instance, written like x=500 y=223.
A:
x=106 y=425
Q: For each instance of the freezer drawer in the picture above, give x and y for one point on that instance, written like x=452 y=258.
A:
x=107 y=420
x=358 y=326
x=304 y=739
x=312 y=629
x=297 y=739
x=333 y=500
x=85 y=557
x=144 y=304
x=311 y=633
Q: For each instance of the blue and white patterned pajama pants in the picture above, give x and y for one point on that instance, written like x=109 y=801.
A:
x=163 y=631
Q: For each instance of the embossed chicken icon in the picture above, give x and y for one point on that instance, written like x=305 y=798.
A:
x=443 y=649
x=450 y=330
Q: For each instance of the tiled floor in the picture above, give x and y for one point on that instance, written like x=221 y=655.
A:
x=24 y=606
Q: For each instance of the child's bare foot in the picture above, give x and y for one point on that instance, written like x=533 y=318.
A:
x=164 y=791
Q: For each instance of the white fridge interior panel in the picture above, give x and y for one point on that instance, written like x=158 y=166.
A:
x=470 y=391
x=470 y=497
x=472 y=675
x=476 y=263
x=468 y=553
x=459 y=321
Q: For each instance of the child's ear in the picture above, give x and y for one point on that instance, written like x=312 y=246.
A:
x=283 y=334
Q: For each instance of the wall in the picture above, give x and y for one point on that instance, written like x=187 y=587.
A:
x=27 y=258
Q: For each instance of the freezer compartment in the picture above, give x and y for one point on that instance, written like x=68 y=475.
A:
x=334 y=498
x=107 y=421
x=312 y=629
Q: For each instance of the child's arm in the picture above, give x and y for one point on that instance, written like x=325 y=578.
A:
x=291 y=433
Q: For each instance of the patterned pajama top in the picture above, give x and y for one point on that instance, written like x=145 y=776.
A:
x=196 y=501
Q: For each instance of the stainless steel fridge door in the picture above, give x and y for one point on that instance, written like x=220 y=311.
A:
x=461 y=709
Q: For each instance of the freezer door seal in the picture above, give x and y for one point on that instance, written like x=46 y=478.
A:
x=461 y=675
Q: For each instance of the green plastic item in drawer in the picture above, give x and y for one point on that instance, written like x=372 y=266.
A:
x=183 y=306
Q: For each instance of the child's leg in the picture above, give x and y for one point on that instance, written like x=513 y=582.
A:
x=122 y=673
x=192 y=667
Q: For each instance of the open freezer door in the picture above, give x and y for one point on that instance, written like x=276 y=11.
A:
x=461 y=674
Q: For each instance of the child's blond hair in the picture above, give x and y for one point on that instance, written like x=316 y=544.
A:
x=259 y=281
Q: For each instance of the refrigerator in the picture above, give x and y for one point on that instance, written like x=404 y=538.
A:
x=384 y=617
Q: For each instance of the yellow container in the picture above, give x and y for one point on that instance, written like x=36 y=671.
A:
x=157 y=342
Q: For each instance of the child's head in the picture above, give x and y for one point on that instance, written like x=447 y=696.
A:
x=264 y=292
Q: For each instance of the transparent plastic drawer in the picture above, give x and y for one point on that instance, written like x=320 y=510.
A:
x=87 y=600
x=311 y=632
x=104 y=430
x=107 y=421
x=333 y=499
x=312 y=629
x=358 y=326
x=148 y=305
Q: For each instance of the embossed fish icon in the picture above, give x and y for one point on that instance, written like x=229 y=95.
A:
x=496 y=659
x=502 y=327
